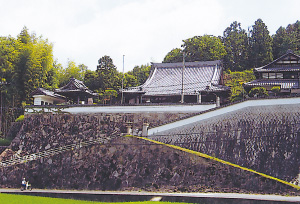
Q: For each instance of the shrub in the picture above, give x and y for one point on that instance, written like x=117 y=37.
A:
x=258 y=92
x=275 y=89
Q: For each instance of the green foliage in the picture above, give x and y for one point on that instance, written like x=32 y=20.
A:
x=106 y=63
x=108 y=75
x=175 y=55
x=235 y=80
x=260 y=43
x=72 y=70
x=258 y=92
x=287 y=39
x=130 y=80
x=236 y=45
x=107 y=96
x=91 y=80
x=275 y=89
x=203 y=48
x=25 y=63
x=20 y=118
x=141 y=73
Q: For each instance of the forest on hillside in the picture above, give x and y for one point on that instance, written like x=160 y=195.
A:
x=27 y=63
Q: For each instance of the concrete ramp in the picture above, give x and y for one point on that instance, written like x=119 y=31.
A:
x=224 y=110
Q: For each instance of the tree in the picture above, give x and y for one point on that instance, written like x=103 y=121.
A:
x=293 y=38
x=203 y=48
x=258 y=92
x=287 y=39
x=108 y=74
x=91 y=80
x=72 y=70
x=280 y=42
x=236 y=45
x=260 y=44
x=108 y=96
x=175 y=55
x=106 y=63
x=141 y=73
x=235 y=81
x=130 y=80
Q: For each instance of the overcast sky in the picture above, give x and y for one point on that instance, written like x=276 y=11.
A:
x=142 y=30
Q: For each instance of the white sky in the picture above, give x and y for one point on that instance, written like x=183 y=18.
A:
x=142 y=30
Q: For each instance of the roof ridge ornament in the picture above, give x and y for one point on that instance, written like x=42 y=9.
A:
x=289 y=51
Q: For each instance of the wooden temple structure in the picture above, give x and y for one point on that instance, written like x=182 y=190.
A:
x=195 y=82
x=283 y=72
x=74 y=92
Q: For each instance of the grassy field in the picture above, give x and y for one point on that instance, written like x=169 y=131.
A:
x=17 y=199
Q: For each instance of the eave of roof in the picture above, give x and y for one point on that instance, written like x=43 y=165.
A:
x=272 y=67
x=42 y=91
x=79 y=88
x=283 y=83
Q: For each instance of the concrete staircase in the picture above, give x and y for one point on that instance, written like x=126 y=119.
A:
x=51 y=152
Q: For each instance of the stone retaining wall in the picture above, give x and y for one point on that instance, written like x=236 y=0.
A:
x=40 y=132
x=132 y=164
x=263 y=138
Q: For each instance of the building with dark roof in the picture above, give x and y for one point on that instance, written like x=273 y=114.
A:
x=45 y=97
x=283 y=72
x=74 y=92
x=199 y=81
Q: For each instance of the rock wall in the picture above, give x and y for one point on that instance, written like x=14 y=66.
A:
x=133 y=164
x=264 y=138
x=40 y=132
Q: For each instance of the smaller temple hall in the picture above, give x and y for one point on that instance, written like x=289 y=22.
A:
x=75 y=92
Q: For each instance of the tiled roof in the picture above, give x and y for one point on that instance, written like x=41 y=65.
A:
x=274 y=68
x=75 y=85
x=287 y=62
x=166 y=79
x=283 y=83
x=42 y=91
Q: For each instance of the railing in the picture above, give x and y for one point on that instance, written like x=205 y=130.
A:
x=51 y=152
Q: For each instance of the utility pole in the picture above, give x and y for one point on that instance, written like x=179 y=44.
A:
x=123 y=82
x=182 y=86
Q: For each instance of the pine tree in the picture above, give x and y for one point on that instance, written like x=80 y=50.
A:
x=236 y=44
x=260 y=44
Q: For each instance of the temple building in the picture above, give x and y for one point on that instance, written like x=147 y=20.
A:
x=198 y=82
x=43 y=97
x=75 y=92
x=283 y=72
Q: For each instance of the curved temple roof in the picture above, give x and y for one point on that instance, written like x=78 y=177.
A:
x=166 y=79
x=74 y=86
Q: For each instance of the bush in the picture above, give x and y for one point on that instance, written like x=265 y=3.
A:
x=275 y=90
x=20 y=118
x=258 y=92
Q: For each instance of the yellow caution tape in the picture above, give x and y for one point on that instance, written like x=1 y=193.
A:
x=218 y=160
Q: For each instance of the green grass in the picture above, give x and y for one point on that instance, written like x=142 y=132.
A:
x=17 y=199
